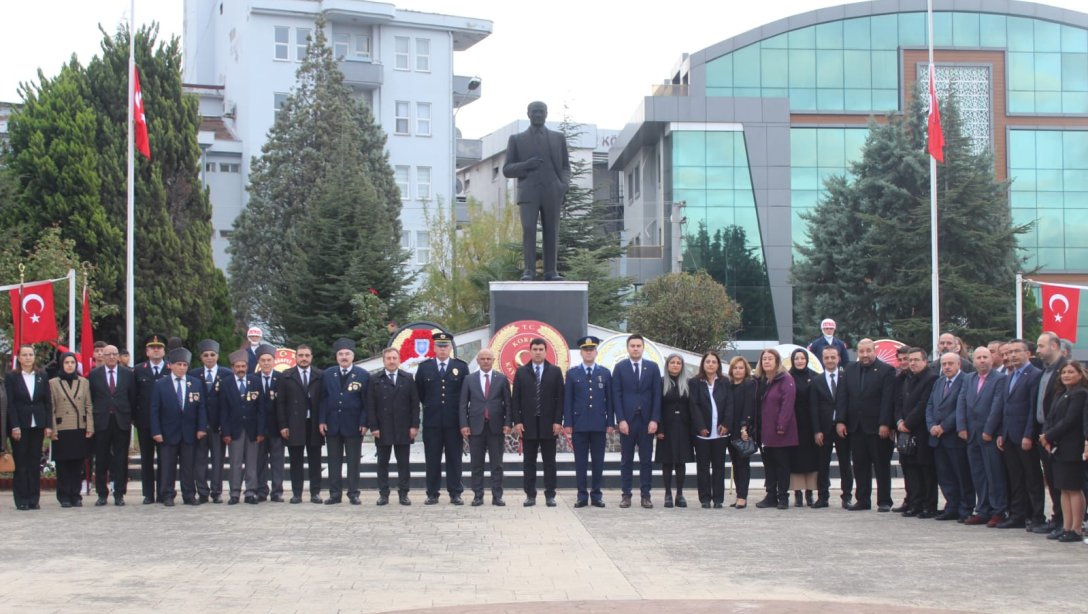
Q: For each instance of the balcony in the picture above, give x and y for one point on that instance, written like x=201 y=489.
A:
x=465 y=90
x=365 y=75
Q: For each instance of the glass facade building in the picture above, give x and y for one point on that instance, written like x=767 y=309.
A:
x=749 y=129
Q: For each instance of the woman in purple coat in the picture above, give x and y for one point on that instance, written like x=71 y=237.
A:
x=778 y=427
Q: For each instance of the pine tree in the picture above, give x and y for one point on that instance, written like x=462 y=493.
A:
x=733 y=262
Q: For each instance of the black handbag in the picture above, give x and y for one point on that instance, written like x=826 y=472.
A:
x=906 y=444
x=743 y=448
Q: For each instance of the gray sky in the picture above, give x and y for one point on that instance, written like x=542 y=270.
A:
x=595 y=57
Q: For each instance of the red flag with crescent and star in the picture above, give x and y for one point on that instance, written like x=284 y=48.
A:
x=1060 y=309
x=143 y=145
x=34 y=303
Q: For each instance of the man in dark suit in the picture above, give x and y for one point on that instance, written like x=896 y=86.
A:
x=270 y=453
x=919 y=469
x=439 y=381
x=870 y=384
x=828 y=401
x=393 y=418
x=485 y=417
x=947 y=342
x=537 y=406
x=113 y=396
x=1049 y=351
x=343 y=419
x=587 y=417
x=178 y=420
x=209 y=482
x=243 y=426
x=950 y=451
x=147 y=373
x=538 y=159
x=296 y=411
x=1014 y=429
x=979 y=397
x=636 y=399
x=828 y=339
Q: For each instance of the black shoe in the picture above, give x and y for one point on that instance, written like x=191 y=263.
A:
x=65 y=504
x=767 y=502
x=101 y=501
x=203 y=498
x=625 y=501
x=168 y=503
x=35 y=506
x=901 y=509
x=1056 y=533
x=527 y=276
x=217 y=499
x=498 y=502
x=333 y=501
x=784 y=505
x=296 y=500
x=22 y=507
x=884 y=508
x=581 y=503
x=477 y=501
x=859 y=507
x=647 y=504
x=909 y=513
x=232 y=501
x=404 y=500
x=798 y=499
x=718 y=505
x=809 y=501
x=148 y=500
x=456 y=500
x=550 y=501
x=947 y=515
x=383 y=499
x=529 y=502
x=251 y=500
x=430 y=500
x=1043 y=528
x=1069 y=537
x=276 y=499
x=681 y=501
x=598 y=503
x=554 y=277
x=119 y=500
x=926 y=514
x=705 y=505
x=1011 y=523
x=668 y=500
x=846 y=503
x=354 y=500
x=262 y=498
x=316 y=499
x=820 y=503
x=189 y=502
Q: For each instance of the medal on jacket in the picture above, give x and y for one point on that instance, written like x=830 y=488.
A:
x=454 y=371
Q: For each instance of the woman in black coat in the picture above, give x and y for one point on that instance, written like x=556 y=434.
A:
x=1063 y=437
x=742 y=393
x=29 y=423
x=805 y=458
x=674 y=432
x=711 y=417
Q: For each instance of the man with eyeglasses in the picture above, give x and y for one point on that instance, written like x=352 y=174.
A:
x=113 y=397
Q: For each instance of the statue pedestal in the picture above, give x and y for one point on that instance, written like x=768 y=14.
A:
x=564 y=305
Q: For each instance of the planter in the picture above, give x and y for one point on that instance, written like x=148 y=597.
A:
x=49 y=483
x=6 y=482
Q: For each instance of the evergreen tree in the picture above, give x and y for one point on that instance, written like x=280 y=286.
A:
x=685 y=310
x=732 y=262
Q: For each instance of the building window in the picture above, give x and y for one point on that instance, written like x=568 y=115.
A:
x=402 y=46
x=423 y=54
x=282 y=40
x=209 y=167
x=400 y=117
x=302 y=43
x=401 y=174
x=278 y=100
x=423 y=119
x=423 y=247
x=360 y=47
x=634 y=178
x=230 y=167
x=340 y=46
x=423 y=182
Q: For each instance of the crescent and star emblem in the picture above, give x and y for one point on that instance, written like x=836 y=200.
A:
x=1058 y=298
x=34 y=298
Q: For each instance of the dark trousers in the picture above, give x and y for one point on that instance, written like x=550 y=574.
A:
x=954 y=477
x=742 y=472
x=1055 y=493
x=209 y=479
x=921 y=485
x=170 y=456
x=588 y=445
x=710 y=468
x=638 y=438
x=312 y=449
x=436 y=442
x=26 y=484
x=149 y=474
x=776 y=463
x=546 y=447
x=547 y=210
x=111 y=459
x=403 y=468
x=339 y=446
x=872 y=455
x=69 y=479
x=988 y=476
x=492 y=445
x=823 y=469
x=846 y=467
x=270 y=465
x=1025 y=482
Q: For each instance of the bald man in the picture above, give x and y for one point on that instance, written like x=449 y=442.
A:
x=870 y=387
x=979 y=397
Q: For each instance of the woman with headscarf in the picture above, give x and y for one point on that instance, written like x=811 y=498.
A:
x=777 y=426
x=805 y=458
x=674 y=432
x=73 y=427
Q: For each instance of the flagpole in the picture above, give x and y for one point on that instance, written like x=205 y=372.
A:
x=72 y=309
x=130 y=262
x=1019 y=306
x=935 y=281
x=18 y=322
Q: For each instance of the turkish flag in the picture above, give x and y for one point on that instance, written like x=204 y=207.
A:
x=34 y=302
x=936 y=135
x=143 y=145
x=86 y=340
x=1060 y=309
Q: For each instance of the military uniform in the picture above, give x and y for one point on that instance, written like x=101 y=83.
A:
x=146 y=376
x=342 y=412
x=588 y=412
x=440 y=392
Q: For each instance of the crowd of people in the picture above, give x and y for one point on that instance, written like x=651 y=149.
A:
x=992 y=430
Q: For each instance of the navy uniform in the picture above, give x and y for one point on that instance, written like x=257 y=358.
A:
x=179 y=419
x=147 y=373
x=209 y=483
x=343 y=416
x=439 y=387
x=243 y=426
x=587 y=416
x=271 y=452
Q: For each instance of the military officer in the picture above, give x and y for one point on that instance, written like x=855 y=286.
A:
x=587 y=416
x=438 y=381
x=209 y=484
x=178 y=421
x=147 y=373
x=343 y=419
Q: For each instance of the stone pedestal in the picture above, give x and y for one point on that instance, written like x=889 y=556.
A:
x=564 y=305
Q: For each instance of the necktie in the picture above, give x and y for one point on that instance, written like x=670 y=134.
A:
x=981 y=381
x=156 y=369
x=209 y=377
x=392 y=378
x=1012 y=380
x=637 y=374
x=442 y=370
x=242 y=386
x=181 y=394
x=589 y=372
x=306 y=378
x=113 y=385
x=487 y=393
x=537 y=390
x=343 y=378
x=834 y=385
x=947 y=387
x=266 y=384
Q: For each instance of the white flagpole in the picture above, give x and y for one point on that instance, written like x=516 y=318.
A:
x=72 y=310
x=130 y=261
x=1019 y=306
x=936 y=290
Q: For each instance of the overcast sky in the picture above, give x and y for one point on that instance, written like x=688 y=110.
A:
x=595 y=57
